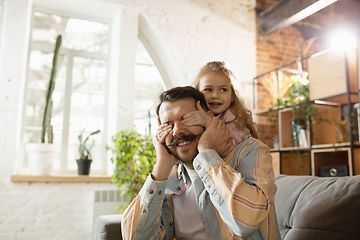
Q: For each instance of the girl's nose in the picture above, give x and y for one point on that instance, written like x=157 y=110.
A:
x=215 y=94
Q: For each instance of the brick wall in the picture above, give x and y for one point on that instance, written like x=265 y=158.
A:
x=273 y=51
x=281 y=48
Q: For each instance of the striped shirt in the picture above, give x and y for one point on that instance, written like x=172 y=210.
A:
x=237 y=202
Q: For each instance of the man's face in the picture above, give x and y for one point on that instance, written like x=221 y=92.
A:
x=184 y=138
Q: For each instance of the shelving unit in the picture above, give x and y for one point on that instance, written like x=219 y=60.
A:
x=333 y=91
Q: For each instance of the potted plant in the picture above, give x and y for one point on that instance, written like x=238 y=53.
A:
x=84 y=162
x=41 y=156
x=134 y=157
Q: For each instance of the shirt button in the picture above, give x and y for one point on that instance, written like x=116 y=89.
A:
x=160 y=192
x=151 y=191
x=209 y=186
x=198 y=167
x=144 y=211
x=179 y=188
x=164 y=199
x=171 y=223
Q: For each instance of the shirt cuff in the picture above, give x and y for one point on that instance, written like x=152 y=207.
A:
x=153 y=190
x=204 y=160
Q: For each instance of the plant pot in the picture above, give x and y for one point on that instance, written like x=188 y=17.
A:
x=83 y=166
x=41 y=157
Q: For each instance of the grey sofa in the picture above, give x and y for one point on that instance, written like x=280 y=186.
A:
x=307 y=208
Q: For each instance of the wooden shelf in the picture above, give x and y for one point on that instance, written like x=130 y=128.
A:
x=330 y=157
x=294 y=149
x=295 y=163
x=331 y=145
x=328 y=76
x=310 y=144
x=61 y=179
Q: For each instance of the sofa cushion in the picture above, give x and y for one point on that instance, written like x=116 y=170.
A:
x=107 y=227
x=310 y=207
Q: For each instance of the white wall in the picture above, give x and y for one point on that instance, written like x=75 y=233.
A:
x=196 y=32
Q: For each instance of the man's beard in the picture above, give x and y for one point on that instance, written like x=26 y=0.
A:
x=175 y=141
x=188 y=137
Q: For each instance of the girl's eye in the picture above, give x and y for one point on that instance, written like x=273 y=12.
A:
x=224 y=89
x=207 y=90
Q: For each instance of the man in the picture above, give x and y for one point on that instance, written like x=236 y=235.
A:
x=202 y=196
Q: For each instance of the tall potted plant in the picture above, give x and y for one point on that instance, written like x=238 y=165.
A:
x=134 y=157
x=41 y=156
x=84 y=162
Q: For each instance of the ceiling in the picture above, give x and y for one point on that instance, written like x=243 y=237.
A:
x=319 y=23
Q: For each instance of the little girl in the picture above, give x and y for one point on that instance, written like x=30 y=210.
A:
x=215 y=82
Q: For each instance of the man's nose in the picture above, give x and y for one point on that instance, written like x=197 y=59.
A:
x=178 y=129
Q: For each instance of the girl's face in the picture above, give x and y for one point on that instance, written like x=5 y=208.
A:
x=216 y=89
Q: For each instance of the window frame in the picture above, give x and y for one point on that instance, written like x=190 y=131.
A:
x=69 y=54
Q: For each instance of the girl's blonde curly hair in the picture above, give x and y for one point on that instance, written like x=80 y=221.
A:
x=237 y=106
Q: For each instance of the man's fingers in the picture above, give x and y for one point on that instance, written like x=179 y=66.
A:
x=220 y=124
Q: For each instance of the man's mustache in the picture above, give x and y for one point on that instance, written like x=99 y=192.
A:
x=188 y=137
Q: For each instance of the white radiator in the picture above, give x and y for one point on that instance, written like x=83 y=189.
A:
x=105 y=202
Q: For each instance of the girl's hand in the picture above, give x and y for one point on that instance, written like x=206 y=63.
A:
x=163 y=131
x=199 y=117
x=164 y=159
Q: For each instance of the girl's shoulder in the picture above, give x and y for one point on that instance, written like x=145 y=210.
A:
x=227 y=116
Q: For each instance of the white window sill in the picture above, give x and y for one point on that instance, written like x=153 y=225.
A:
x=61 y=179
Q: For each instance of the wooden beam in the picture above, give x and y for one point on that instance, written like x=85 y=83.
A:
x=288 y=12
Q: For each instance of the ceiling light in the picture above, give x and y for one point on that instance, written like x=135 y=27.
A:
x=342 y=40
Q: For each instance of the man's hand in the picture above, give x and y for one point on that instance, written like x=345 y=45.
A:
x=215 y=137
x=199 y=117
x=164 y=159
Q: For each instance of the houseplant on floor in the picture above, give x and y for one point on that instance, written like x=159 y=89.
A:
x=134 y=157
x=41 y=156
x=85 y=160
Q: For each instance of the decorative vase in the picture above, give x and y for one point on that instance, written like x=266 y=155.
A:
x=83 y=166
x=41 y=157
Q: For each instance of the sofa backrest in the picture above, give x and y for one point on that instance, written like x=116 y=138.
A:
x=310 y=207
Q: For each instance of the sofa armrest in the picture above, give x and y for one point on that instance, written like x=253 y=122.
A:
x=108 y=227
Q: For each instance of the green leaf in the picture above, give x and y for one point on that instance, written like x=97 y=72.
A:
x=134 y=157
x=84 y=152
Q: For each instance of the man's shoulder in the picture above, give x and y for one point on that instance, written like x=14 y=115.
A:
x=250 y=143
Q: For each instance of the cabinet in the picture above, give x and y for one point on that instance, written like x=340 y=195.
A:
x=312 y=145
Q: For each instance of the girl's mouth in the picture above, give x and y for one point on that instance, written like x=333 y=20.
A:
x=215 y=104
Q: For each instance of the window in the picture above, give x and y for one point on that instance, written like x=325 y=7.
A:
x=80 y=85
x=148 y=86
